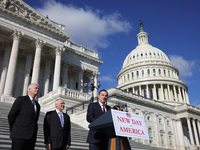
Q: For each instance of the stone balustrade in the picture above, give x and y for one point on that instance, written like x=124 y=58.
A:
x=65 y=92
x=81 y=49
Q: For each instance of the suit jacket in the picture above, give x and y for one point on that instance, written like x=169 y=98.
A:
x=94 y=111
x=22 y=118
x=54 y=133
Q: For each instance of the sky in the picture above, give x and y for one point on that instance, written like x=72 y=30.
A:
x=110 y=27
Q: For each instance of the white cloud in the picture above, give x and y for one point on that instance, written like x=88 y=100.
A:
x=185 y=67
x=87 y=27
x=106 y=79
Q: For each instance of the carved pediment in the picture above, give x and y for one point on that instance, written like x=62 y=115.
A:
x=21 y=10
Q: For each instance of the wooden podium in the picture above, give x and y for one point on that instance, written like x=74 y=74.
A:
x=105 y=124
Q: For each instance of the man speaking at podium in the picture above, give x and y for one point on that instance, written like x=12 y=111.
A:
x=97 y=140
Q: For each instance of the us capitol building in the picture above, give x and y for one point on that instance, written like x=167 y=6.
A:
x=35 y=49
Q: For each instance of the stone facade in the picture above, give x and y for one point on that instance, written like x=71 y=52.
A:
x=35 y=49
x=148 y=85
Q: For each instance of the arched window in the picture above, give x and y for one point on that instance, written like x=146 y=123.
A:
x=162 y=139
x=159 y=71
x=168 y=123
x=143 y=73
x=160 y=121
x=137 y=74
x=170 y=140
x=148 y=72
x=128 y=77
x=132 y=75
x=154 y=72
x=150 y=136
x=164 y=73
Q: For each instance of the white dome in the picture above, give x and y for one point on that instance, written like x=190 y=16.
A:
x=144 y=52
x=148 y=72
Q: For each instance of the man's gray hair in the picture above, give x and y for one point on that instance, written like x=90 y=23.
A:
x=30 y=86
x=57 y=100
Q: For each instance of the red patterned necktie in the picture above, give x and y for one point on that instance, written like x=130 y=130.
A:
x=104 y=109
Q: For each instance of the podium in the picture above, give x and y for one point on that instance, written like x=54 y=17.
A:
x=105 y=124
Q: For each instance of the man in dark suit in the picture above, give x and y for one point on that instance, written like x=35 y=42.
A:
x=97 y=140
x=23 y=118
x=57 y=128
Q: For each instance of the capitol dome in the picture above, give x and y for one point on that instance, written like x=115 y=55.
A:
x=148 y=72
x=144 y=51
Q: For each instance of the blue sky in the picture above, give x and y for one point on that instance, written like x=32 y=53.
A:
x=110 y=27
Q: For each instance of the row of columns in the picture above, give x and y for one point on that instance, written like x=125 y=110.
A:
x=10 y=61
x=177 y=130
x=196 y=134
x=164 y=93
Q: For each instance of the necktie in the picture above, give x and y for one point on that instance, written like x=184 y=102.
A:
x=104 y=109
x=61 y=118
x=34 y=105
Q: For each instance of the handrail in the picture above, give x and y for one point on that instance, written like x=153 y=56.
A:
x=78 y=105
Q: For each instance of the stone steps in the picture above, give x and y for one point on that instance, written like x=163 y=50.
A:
x=78 y=134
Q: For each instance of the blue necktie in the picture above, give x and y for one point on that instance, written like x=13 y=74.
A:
x=61 y=118
x=34 y=105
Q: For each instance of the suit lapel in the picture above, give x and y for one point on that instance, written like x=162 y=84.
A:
x=30 y=103
x=65 y=119
x=99 y=108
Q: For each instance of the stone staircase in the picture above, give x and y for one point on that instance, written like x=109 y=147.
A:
x=78 y=134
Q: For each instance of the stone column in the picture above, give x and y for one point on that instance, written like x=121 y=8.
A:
x=36 y=67
x=195 y=132
x=187 y=98
x=165 y=129
x=20 y=73
x=169 y=93
x=179 y=95
x=198 y=126
x=29 y=58
x=156 y=141
x=56 y=80
x=12 y=64
x=175 y=94
x=65 y=75
x=174 y=130
x=140 y=90
x=154 y=92
x=80 y=79
x=95 y=74
x=4 y=69
x=166 y=94
x=47 y=74
x=133 y=90
x=162 y=95
x=180 y=133
x=147 y=91
x=184 y=99
x=190 y=131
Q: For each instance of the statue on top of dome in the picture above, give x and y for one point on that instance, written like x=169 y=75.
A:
x=141 y=23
